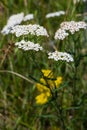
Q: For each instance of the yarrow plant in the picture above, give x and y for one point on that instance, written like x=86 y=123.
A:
x=60 y=56
x=14 y=20
x=28 y=17
x=77 y=1
x=60 y=34
x=35 y=29
x=56 y=96
x=26 y=46
x=66 y=27
x=55 y=14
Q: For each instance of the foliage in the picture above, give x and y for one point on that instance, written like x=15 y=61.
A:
x=23 y=72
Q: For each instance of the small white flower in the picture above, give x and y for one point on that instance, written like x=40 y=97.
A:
x=28 y=45
x=35 y=29
x=76 y=1
x=60 y=56
x=58 y=13
x=28 y=17
x=12 y=21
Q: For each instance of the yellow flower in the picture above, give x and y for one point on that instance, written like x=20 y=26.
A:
x=58 y=81
x=42 y=98
x=47 y=73
x=42 y=87
x=45 y=93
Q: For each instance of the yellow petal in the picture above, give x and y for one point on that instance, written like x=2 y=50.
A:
x=41 y=99
x=42 y=87
x=58 y=81
x=47 y=73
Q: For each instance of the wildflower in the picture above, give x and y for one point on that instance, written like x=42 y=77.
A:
x=43 y=97
x=76 y=1
x=60 y=56
x=35 y=29
x=28 y=17
x=28 y=45
x=12 y=21
x=60 y=34
x=58 y=13
x=47 y=73
x=45 y=92
x=71 y=27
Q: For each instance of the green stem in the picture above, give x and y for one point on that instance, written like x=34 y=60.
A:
x=60 y=114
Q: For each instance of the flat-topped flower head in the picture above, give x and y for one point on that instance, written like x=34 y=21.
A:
x=26 y=46
x=73 y=26
x=66 y=27
x=60 y=56
x=28 y=17
x=76 y=1
x=34 y=29
x=60 y=34
x=55 y=14
x=12 y=21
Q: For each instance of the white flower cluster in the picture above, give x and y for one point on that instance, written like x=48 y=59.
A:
x=60 y=34
x=12 y=21
x=28 y=45
x=60 y=56
x=28 y=17
x=58 y=13
x=71 y=26
x=75 y=1
x=35 y=29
